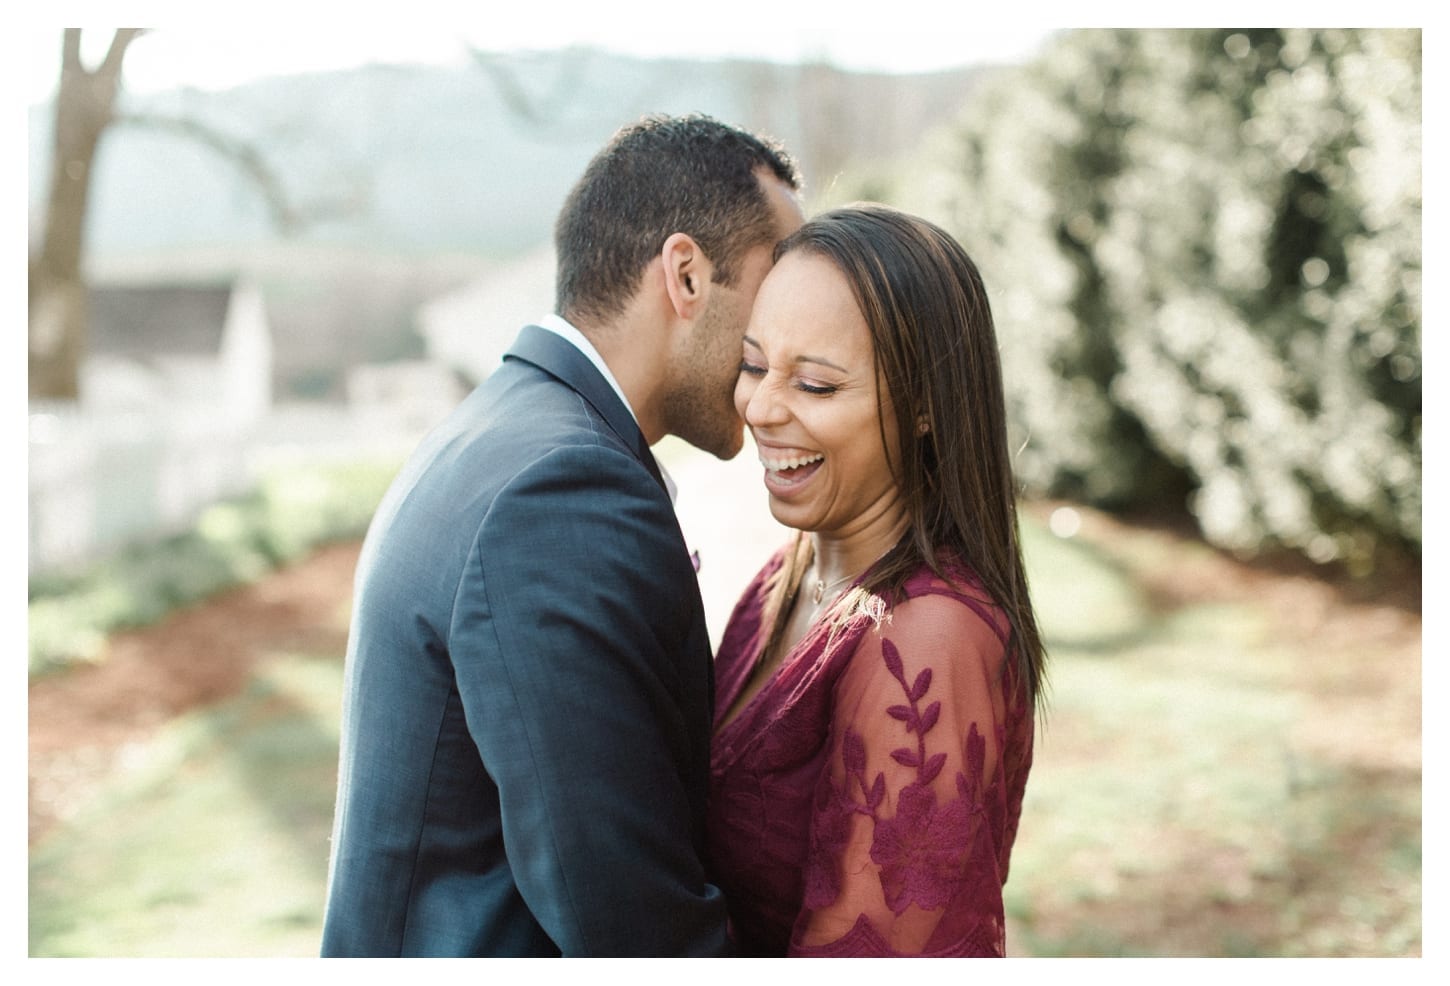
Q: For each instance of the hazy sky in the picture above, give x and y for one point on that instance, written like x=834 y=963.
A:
x=193 y=46
x=187 y=49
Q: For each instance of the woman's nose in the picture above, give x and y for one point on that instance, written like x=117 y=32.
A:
x=765 y=406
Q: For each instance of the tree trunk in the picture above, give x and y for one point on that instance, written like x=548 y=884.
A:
x=84 y=108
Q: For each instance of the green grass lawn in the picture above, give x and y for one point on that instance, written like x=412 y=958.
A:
x=1177 y=806
x=211 y=840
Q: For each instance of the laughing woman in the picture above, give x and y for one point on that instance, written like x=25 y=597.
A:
x=877 y=682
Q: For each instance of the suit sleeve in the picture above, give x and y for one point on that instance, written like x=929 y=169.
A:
x=569 y=645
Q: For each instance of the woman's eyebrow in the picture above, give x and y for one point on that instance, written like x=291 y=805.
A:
x=821 y=360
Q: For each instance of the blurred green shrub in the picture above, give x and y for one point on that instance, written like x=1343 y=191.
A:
x=290 y=513
x=1204 y=254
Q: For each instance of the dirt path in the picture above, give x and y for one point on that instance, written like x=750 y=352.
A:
x=82 y=720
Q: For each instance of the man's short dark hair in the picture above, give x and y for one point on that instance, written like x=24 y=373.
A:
x=660 y=176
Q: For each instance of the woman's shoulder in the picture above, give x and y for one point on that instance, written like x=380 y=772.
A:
x=944 y=624
x=954 y=596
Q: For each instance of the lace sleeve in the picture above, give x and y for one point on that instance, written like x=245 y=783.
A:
x=907 y=818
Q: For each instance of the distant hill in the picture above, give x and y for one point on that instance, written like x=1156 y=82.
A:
x=451 y=171
x=475 y=159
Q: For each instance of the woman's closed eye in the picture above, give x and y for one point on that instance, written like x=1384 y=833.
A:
x=815 y=389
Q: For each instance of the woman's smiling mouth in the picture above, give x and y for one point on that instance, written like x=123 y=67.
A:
x=784 y=474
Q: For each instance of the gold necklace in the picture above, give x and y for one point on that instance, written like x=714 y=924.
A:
x=822 y=586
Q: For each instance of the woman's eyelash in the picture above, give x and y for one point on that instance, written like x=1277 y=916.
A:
x=755 y=370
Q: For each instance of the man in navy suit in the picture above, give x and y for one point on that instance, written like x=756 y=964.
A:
x=529 y=691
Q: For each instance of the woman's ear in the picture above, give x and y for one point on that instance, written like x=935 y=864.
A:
x=687 y=274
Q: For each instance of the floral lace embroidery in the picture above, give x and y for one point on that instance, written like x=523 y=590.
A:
x=923 y=848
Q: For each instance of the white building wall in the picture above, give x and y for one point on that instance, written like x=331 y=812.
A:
x=246 y=356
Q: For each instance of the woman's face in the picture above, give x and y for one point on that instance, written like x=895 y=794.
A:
x=809 y=393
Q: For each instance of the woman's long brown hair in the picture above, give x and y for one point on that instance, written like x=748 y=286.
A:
x=937 y=362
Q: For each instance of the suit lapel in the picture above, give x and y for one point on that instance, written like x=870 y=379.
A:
x=560 y=359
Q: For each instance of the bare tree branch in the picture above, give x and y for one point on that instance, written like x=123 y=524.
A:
x=537 y=111
x=116 y=53
x=288 y=215
x=85 y=109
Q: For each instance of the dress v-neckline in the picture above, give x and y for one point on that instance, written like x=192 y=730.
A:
x=802 y=647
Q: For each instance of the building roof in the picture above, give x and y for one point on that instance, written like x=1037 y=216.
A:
x=151 y=320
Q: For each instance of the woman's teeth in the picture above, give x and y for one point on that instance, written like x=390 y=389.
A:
x=779 y=465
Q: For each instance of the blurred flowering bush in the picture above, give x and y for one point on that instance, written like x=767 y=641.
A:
x=1203 y=249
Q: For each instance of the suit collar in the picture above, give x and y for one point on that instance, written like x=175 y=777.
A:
x=562 y=360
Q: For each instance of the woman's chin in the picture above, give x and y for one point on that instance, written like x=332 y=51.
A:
x=792 y=515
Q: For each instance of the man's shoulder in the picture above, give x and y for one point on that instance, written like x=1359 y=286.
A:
x=524 y=438
x=518 y=423
x=516 y=416
x=593 y=477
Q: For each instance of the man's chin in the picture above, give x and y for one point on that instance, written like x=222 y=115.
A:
x=726 y=454
x=722 y=447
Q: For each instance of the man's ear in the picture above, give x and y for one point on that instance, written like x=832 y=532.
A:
x=687 y=274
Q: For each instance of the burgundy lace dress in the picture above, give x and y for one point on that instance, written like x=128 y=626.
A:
x=866 y=799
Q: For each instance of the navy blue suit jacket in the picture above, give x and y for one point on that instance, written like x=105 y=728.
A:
x=528 y=693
